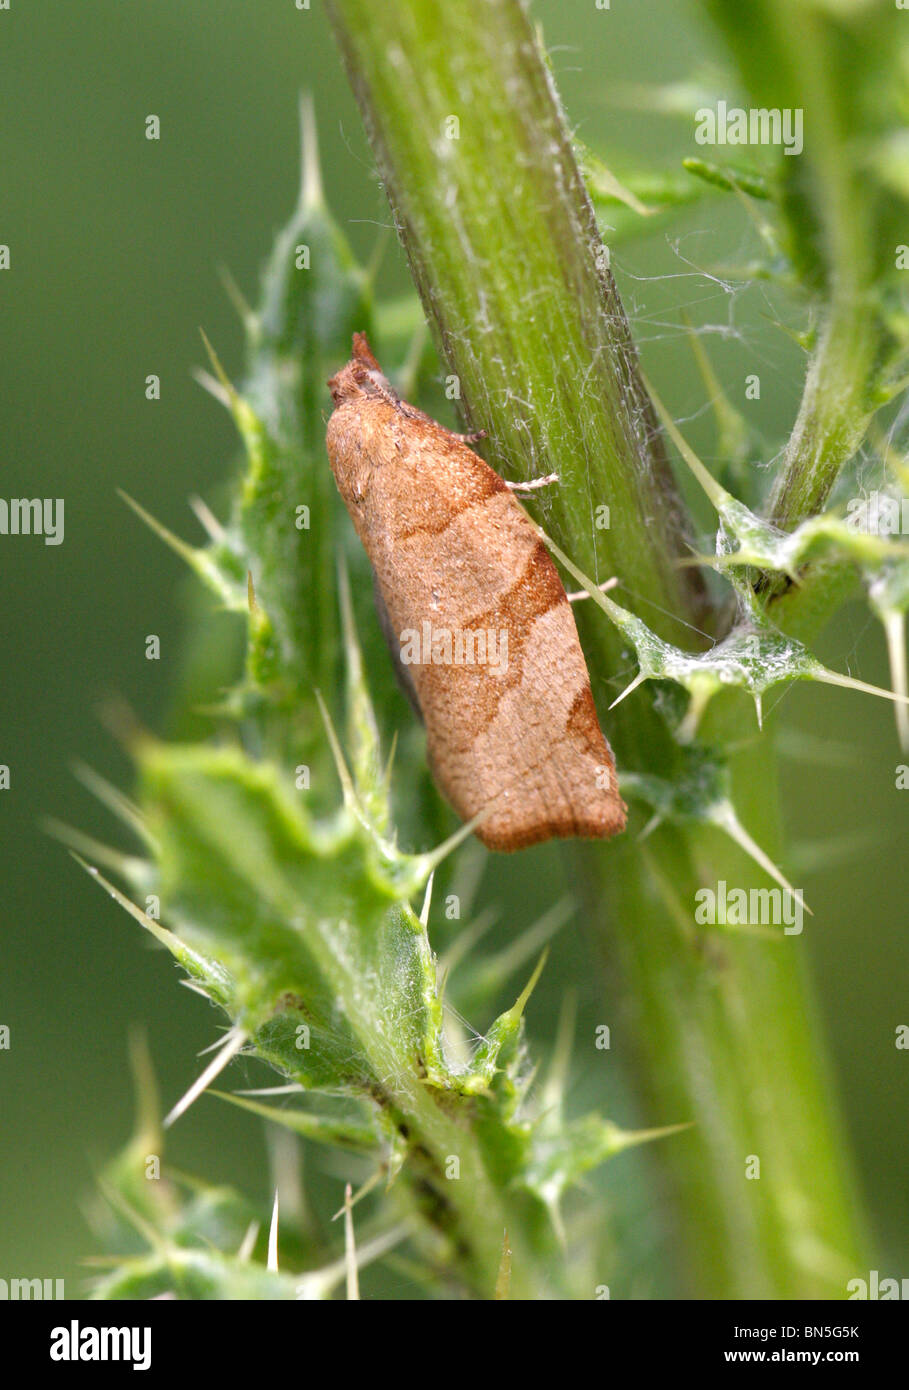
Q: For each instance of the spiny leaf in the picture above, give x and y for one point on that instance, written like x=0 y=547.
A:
x=762 y=545
x=754 y=657
x=563 y=1155
x=324 y=1129
x=701 y=794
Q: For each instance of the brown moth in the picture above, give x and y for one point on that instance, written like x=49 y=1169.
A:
x=477 y=620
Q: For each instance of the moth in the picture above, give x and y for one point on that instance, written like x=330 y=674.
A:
x=476 y=618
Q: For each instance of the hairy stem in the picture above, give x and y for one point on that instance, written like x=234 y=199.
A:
x=833 y=416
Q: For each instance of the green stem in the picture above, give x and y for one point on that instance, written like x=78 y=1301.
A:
x=725 y=1028
x=833 y=417
x=504 y=252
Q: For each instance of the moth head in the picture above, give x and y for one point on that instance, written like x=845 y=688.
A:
x=361 y=377
x=360 y=381
x=345 y=385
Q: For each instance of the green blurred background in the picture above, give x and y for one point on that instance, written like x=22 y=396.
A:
x=116 y=243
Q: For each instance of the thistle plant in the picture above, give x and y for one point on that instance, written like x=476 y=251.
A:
x=299 y=865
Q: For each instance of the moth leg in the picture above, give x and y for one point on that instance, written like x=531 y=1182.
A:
x=582 y=593
x=472 y=437
x=533 y=483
